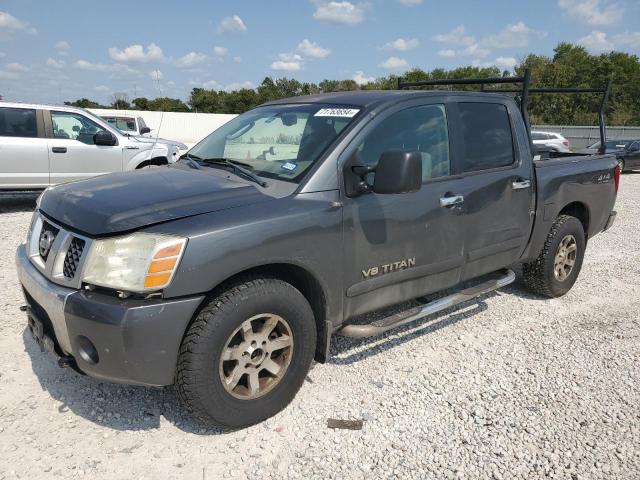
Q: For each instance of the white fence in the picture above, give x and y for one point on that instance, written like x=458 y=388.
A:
x=188 y=128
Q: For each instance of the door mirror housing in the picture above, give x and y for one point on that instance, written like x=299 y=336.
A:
x=398 y=172
x=105 y=138
x=144 y=130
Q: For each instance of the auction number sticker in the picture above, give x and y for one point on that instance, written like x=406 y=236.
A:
x=337 y=112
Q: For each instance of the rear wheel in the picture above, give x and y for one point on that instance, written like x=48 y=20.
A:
x=621 y=163
x=247 y=353
x=557 y=267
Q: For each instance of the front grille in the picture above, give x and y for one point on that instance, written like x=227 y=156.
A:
x=72 y=258
x=45 y=241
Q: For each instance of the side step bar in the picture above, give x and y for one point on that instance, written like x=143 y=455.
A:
x=380 y=326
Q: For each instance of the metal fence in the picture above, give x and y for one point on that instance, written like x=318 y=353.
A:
x=581 y=137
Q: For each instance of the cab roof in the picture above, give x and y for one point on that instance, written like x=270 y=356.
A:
x=372 y=98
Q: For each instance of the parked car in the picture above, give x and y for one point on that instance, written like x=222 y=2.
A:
x=626 y=151
x=43 y=145
x=135 y=126
x=553 y=141
x=229 y=271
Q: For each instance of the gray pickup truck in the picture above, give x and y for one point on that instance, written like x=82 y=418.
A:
x=228 y=272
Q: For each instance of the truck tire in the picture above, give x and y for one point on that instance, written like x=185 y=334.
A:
x=556 y=269
x=246 y=354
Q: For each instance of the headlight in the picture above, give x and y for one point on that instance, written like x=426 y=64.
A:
x=139 y=262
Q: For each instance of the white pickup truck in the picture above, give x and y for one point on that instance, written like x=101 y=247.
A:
x=43 y=145
x=127 y=124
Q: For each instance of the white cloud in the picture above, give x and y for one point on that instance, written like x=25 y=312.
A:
x=447 y=53
x=505 y=63
x=86 y=65
x=15 y=67
x=310 y=49
x=8 y=75
x=209 y=85
x=220 y=51
x=232 y=24
x=596 y=42
x=237 y=59
x=62 y=47
x=10 y=24
x=394 y=63
x=239 y=85
x=360 y=78
x=410 y=3
x=102 y=89
x=512 y=36
x=290 y=62
x=53 y=63
x=137 y=53
x=344 y=13
x=190 y=60
x=592 y=12
x=402 y=44
x=455 y=37
x=475 y=50
x=628 y=39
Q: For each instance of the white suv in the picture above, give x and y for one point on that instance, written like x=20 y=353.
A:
x=44 y=145
x=554 y=141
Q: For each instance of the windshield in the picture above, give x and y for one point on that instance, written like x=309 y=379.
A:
x=124 y=124
x=277 y=141
x=612 y=144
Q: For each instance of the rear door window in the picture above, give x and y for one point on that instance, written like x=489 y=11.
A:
x=487 y=137
x=18 y=122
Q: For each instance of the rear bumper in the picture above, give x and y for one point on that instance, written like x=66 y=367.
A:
x=610 y=221
x=135 y=341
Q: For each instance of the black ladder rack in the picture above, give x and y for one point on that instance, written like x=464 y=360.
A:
x=524 y=92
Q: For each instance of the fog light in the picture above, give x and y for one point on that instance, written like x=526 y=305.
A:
x=87 y=350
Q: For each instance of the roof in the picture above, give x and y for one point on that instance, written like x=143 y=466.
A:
x=369 y=98
x=42 y=106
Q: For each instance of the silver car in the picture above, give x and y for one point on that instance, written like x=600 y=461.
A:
x=43 y=145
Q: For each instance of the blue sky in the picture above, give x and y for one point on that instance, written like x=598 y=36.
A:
x=54 y=51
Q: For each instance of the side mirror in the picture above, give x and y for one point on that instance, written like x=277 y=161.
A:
x=105 y=138
x=398 y=172
x=144 y=130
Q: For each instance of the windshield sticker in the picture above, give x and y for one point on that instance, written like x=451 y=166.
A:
x=290 y=166
x=337 y=112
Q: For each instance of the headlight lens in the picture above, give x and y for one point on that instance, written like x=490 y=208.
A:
x=139 y=262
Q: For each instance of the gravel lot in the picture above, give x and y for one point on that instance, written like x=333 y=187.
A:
x=510 y=386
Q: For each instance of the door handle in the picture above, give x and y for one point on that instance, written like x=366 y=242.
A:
x=520 y=184
x=59 y=149
x=451 y=200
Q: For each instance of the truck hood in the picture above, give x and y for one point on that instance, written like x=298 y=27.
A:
x=127 y=201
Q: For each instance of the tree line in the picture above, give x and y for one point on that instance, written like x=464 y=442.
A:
x=570 y=66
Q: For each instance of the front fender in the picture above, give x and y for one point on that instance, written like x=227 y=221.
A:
x=157 y=150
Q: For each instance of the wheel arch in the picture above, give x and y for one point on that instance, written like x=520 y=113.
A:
x=300 y=278
x=153 y=161
x=580 y=211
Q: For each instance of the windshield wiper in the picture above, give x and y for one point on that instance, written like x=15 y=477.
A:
x=238 y=167
x=192 y=159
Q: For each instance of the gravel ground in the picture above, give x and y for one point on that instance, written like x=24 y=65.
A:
x=510 y=386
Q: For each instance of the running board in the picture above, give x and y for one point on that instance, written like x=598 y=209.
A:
x=402 y=318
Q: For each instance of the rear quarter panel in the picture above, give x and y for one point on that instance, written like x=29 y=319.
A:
x=588 y=180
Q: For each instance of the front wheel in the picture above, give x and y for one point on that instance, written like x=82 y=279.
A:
x=557 y=267
x=246 y=354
